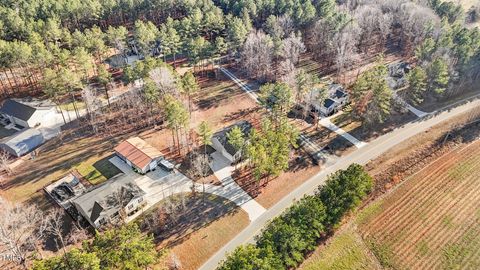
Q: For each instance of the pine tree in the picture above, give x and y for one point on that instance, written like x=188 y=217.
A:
x=438 y=76
x=417 y=85
x=205 y=133
x=372 y=96
x=189 y=87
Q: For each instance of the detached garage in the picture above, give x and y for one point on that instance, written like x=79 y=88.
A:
x=138 y=154
x=23 y=142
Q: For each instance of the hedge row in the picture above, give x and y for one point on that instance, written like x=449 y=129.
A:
x=285 y=241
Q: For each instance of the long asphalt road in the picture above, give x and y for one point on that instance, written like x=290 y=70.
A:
x=362 y=156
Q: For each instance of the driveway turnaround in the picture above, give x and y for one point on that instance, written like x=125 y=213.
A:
x=331 y=126
x=160 y=184
x=361 y=156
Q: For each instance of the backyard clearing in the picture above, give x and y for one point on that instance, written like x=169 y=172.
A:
x=202 y=225
x=55 y=159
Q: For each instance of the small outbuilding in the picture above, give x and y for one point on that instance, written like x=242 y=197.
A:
x=138 y=154
x=22 y=142
x=221 y=144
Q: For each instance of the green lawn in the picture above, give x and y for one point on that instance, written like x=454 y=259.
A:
x=346 y=251
x=69 y=106
x=97 y=171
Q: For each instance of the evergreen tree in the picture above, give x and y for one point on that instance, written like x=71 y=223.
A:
x=372 y=96
x=417 y=85
x=344 y=191
x=104 y=78
x=73 y=259
x=249 y=257
x=205 y=133
x=123 y=248
x=278 y=97
x=438 y=76
x=235 y=137
x=189 y=87
x=176 y=116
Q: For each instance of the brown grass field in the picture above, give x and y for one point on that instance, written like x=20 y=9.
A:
x=432 y=221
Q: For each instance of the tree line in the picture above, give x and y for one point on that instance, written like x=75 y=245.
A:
x=24 y=228
x=286 y=240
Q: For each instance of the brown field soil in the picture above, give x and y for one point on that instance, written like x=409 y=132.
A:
x=436 y=199
x=203 y=243
x=432 y=220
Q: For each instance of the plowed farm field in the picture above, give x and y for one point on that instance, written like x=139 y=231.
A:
x=432 y=220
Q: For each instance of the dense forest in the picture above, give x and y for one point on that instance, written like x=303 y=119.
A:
x=60 y=48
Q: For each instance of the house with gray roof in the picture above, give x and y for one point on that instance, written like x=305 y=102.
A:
x=337 y=98
x=221 y=144
x=27 y=113
x=114 y=200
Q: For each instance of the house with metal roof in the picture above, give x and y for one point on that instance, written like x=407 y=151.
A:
x=23 y=142
x=138 y=154
x=221 y=144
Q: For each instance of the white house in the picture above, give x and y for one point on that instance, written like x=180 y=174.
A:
x=337 y=98
x=115 y=199
x=221 y=144
x=27 y=113
x=138 y=154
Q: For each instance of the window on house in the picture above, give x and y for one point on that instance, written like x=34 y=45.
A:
x=130 y=206
x=140 y=200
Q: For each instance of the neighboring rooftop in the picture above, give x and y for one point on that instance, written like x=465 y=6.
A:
x=24 y=108
x=221 y=135
x=328 y=102
x=109 y=198
x=138 y=151
x=22 y=142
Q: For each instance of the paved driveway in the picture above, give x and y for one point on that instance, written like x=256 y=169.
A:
x=222 y=169
x=161 y=184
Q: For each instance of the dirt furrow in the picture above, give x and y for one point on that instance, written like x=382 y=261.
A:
x=407 y=192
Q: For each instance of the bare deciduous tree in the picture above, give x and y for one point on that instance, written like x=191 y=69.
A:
x=345 y=43
x=5 y=162
x=92 y=105
x=77 y=234
x=416 y=22
x=257 y=55
x=292 y=47
x=21 y=228
x=287 y=73
x=55 y=225
x=164 y=80
x=372 y=23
